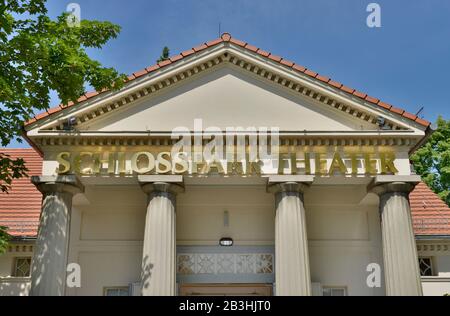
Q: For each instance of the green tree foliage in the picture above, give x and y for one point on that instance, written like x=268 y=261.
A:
x=37 y=55
x=4 y=237
x=165 y=54
x=432 y=161
x=10 y=169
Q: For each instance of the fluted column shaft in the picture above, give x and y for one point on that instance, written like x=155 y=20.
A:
x=292 y=273
x=49 y=265
x=159 y=251
x=401 y=267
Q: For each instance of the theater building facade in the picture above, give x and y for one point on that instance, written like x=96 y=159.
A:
x=227 y=170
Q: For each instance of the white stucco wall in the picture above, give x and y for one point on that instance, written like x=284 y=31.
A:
x=9 y=285
x=106 y=232
x=106 y=237
x=217 y=97
x=6 y=265
x=14 y=286
x=439 y=283
x=435 y=286
x=443 y=266
x=200 y=215
x=344 y=237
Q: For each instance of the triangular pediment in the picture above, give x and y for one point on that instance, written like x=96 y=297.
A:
x=227 y=97
x=225 y=87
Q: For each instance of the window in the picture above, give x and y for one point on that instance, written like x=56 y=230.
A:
x=117 y=291
x=426 y=266
x=334 y=291
x=22 y=267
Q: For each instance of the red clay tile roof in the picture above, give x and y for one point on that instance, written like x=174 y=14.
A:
x=226 y=37
x=21 y=208
x=431 y=216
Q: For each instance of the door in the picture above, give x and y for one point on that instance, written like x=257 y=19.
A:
x=226 y=290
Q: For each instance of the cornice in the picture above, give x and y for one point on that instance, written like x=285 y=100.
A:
x=166 y=140
x=442 y=245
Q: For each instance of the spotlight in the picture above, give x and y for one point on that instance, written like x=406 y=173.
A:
x=70 y=123
x=381 y=121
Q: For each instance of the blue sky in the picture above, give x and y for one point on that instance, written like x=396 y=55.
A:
x=406 y=62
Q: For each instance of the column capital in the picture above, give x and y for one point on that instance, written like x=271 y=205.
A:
x=158 y=183
x=288 y=183
x=58 y=184
x=393 y=184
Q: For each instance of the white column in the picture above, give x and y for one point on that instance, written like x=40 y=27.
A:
x=48 y=271
x=159 y=251
x=401 y=267
x=292 y=273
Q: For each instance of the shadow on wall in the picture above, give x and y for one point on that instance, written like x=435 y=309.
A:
x=15 y=287
x=49 y=261
x=146 y=272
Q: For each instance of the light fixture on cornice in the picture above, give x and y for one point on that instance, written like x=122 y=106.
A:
x=382 y=123
x=69 y=125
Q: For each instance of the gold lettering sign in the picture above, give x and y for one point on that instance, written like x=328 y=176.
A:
x=319 y=161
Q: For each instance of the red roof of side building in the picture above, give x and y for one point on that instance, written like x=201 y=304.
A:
x=21 y=207
x=226 y=37
x=431 y=216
